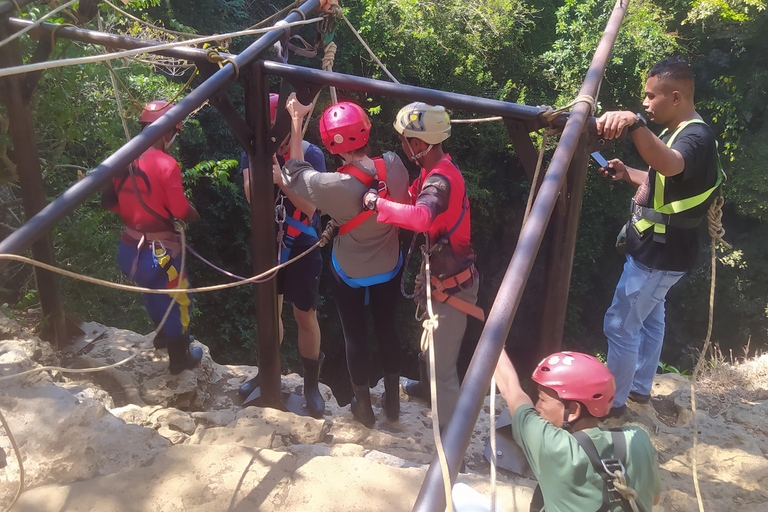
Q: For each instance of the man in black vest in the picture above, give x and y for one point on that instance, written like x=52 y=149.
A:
x=662 y=239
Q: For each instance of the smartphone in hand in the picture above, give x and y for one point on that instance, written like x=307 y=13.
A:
x=602 y=162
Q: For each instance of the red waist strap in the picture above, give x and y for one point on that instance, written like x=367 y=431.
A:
x=439 y=292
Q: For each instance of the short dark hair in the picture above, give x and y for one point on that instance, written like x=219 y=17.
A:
x=671 y=69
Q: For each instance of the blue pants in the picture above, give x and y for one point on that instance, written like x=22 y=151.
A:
x=634 y=326
x=149 y=273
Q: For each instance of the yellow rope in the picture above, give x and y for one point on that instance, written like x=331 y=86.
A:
x=536 y=173
x=21 y=13
x=55 y=29
x=213 y=56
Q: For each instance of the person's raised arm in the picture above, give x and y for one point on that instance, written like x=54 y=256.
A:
x=298 y=111
x=509 y=384
x=666 y=161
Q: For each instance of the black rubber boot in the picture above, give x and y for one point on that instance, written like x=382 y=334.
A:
x=390 y=399
x=361 y=405
x=314 y=400
x=419 y=388
x=182 y=356
x=160 y=342
x=247 y=388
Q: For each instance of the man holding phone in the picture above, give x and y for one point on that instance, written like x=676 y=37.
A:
x=663 y=238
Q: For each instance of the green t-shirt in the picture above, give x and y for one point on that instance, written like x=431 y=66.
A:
x=568 y=481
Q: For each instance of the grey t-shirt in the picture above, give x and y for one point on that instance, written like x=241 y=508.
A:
x=371 y=248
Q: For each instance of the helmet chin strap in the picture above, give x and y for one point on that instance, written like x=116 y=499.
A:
x=415 y=157
x=566 y=424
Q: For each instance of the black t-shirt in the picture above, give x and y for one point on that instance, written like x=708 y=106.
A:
x=696 y=143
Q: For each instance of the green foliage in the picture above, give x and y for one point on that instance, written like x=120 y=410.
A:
x=668 y=368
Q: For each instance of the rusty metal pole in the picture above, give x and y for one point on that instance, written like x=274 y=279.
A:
x=563 y=228
x=22 y=130
x=457 y=434
x=263 y=236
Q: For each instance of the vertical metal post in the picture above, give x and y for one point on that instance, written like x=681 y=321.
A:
x=263 y=235
x=563 y=226
x=31 y=180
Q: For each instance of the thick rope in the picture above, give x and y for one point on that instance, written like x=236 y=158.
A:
x=17 y=452
x=492 y=425
x=551 y=113
x=214 y=57
x=478 y=120
x=628 y=493
x=536 y=173
x=328 y=58
x=427 y=345
x=26 y=29
x=16 y=70
x=370 y=52
x=716 y=232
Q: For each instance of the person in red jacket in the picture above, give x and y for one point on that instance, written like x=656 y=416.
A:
x=438 y=207
x=149 y=200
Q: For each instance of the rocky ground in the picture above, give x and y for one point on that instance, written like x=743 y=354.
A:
x=134 y=438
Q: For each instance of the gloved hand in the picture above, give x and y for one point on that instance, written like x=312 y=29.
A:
x=329 y=232
x=420 y=291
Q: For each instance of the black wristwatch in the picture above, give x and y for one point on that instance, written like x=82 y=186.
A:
x=639 y=123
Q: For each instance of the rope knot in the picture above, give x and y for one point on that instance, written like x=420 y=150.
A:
x=214 y=57
x=628 y=493
x=715 y=221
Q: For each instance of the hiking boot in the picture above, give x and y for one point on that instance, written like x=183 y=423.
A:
x=361 y=405
x=639 y=397
x=390 y=399
x=247 y=388
x=314 y=400
x=182 y=356
x=419 y=388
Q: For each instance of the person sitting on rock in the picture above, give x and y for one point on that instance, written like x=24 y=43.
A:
x=579 y=466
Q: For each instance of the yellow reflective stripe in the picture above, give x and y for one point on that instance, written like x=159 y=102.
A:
x=643 y=224
x=181 y=298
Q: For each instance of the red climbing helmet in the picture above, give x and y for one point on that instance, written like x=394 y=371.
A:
x=344 y=127
x=579 y=377
x=273 y=99
x=153 y=110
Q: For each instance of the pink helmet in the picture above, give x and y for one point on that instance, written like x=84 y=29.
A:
x=153 y=110
x=579 y=377
x=344 y=127
x=273 y=99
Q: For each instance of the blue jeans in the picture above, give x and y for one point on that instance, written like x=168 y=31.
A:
x=634 y=326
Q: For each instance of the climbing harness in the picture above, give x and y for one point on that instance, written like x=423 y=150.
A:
x=367 y=180
x=665 y=214
x=286 y=235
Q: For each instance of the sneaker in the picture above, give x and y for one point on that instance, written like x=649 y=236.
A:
x=639 y=397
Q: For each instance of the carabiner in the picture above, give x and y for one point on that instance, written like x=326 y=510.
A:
x=162 y=248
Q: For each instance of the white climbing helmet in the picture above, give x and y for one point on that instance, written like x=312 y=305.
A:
x=429 y=123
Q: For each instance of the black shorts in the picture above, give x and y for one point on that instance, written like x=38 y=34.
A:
x=299 y=282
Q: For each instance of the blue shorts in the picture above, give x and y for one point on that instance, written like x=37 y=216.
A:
x=300 y=282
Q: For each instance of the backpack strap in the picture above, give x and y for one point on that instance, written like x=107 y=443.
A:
x=367 y=180
x=606 y=467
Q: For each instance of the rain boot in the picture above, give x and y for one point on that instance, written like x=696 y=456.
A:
x=361 y=405
x=160 y=342
x=247 y=388
x=314 y=400
x=182 y=356
x=390 y=399
x=419 y=388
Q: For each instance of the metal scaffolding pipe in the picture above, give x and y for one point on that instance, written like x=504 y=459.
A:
x=44 y=30
x=44 y=221
x=532 y=115
x=477 y=380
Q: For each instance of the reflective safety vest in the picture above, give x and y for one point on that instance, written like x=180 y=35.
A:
x=665 y=214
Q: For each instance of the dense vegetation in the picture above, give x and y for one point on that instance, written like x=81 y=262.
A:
x=533 y=52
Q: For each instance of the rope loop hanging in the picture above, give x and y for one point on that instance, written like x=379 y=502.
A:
x=551 y=113
x=214 y=57
x=55 y=29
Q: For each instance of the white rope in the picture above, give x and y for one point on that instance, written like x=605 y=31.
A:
x=478 y=120
x=139 y=289
x=36 y=23
x=370 y=52
x=428 y=345
x=68 y=370
x=16 y=70
x=492 y=419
